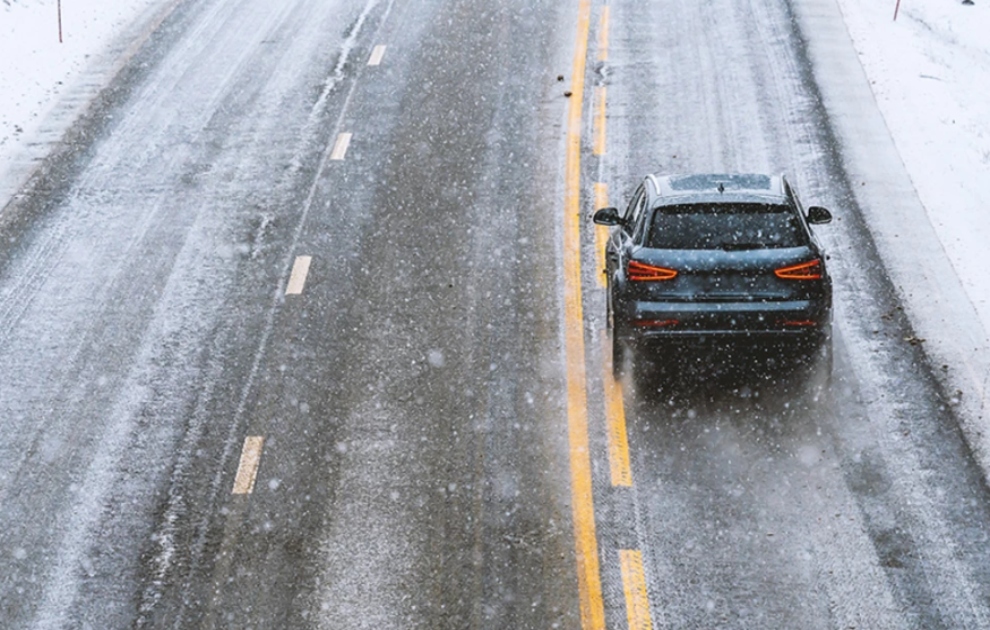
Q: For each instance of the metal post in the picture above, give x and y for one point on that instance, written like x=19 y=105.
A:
x=896 y=9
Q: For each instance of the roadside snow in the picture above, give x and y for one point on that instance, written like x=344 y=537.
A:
x=44 y=84
x=907 y=101
x=930 y=73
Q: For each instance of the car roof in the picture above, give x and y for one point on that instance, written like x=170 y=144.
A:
x=719 y=187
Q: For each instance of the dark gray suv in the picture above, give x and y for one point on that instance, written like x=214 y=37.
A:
x=716 y=258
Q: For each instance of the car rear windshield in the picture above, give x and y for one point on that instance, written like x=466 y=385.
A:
x=725 y=226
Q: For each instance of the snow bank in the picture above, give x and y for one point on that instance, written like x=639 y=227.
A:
x=46 y=84
x=930 y=73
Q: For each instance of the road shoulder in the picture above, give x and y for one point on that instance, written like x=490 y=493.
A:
x=79 y=114
x=945 y=323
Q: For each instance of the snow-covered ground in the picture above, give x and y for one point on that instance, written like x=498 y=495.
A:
x=930 y=73
x=45 y=84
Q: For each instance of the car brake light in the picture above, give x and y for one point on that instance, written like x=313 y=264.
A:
x=811 y=270
x=641 y=272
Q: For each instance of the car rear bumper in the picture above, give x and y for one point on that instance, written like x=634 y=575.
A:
x=757 y=322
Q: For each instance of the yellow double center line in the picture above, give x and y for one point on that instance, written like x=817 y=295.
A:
x=582 y=503
x=582 y=500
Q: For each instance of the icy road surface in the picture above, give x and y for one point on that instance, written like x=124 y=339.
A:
x=286 y=341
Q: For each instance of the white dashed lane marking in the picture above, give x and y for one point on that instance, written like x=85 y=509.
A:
x=247 y=470
x=376 y=55
x=297 y=280
x=340 y=147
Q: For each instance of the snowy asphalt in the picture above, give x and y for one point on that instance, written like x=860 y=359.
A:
x=283 y=343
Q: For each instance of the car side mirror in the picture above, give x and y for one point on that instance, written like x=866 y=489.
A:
x=607 y=216
x=818 y=215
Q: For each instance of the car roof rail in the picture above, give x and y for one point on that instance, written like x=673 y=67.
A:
x=653 y=180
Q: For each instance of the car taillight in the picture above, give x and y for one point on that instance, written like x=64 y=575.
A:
x=641 y=272
x=811 y=270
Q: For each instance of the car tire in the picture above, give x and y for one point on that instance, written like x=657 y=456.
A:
x=620 y=356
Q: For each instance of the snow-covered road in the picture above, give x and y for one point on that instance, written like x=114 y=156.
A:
x=408 y=403
x=929 y=72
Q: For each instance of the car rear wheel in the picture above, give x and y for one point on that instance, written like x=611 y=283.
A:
x=620 y=356
x=620 y=353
